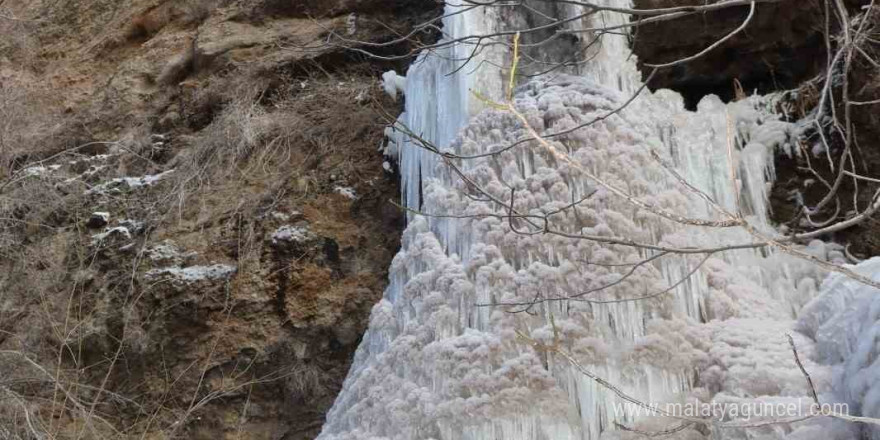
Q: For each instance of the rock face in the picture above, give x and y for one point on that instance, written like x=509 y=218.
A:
x=782 y=46
x=194 y=219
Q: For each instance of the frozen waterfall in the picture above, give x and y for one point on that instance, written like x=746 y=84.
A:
x=444 y=356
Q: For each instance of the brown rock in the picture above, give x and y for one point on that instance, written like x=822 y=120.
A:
x=782 y=46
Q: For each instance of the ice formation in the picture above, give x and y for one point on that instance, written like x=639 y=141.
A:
x=845 y=322
x=444 y=356
x=393 y=84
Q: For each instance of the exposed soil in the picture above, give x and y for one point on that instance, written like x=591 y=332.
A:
x=256 y=128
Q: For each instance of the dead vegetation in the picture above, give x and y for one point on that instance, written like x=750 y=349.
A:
x=112 y=108
x=90 y=348
x=801 y=182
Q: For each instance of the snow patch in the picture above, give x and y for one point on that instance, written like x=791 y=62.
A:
x=135 y=226
x=119 y=231
x=168 y=252
x=98 y=220
x=393 y=84
x=94 y=169
x=346 y=191
x=39 y=171
x=121 y=184
x=89 y=159
x=194 y=273
x=105 y=216
x=288 y=233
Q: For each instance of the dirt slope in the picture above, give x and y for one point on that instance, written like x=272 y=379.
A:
x=194 y=217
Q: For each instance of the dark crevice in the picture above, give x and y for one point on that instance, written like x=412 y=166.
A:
x=781 y=48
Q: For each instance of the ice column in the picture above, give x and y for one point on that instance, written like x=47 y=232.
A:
x=445 y=354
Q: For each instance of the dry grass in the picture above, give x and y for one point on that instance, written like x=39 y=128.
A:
x=19 y=42
x=190 y=13
x=64 y=348
x=78 y=323
x=72 y=321
x=89 y=347
x=18 y=119
x=277 y=134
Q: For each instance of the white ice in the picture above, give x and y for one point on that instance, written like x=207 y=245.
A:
x=444 y=355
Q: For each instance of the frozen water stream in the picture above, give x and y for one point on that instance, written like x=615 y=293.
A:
x=442 y=359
